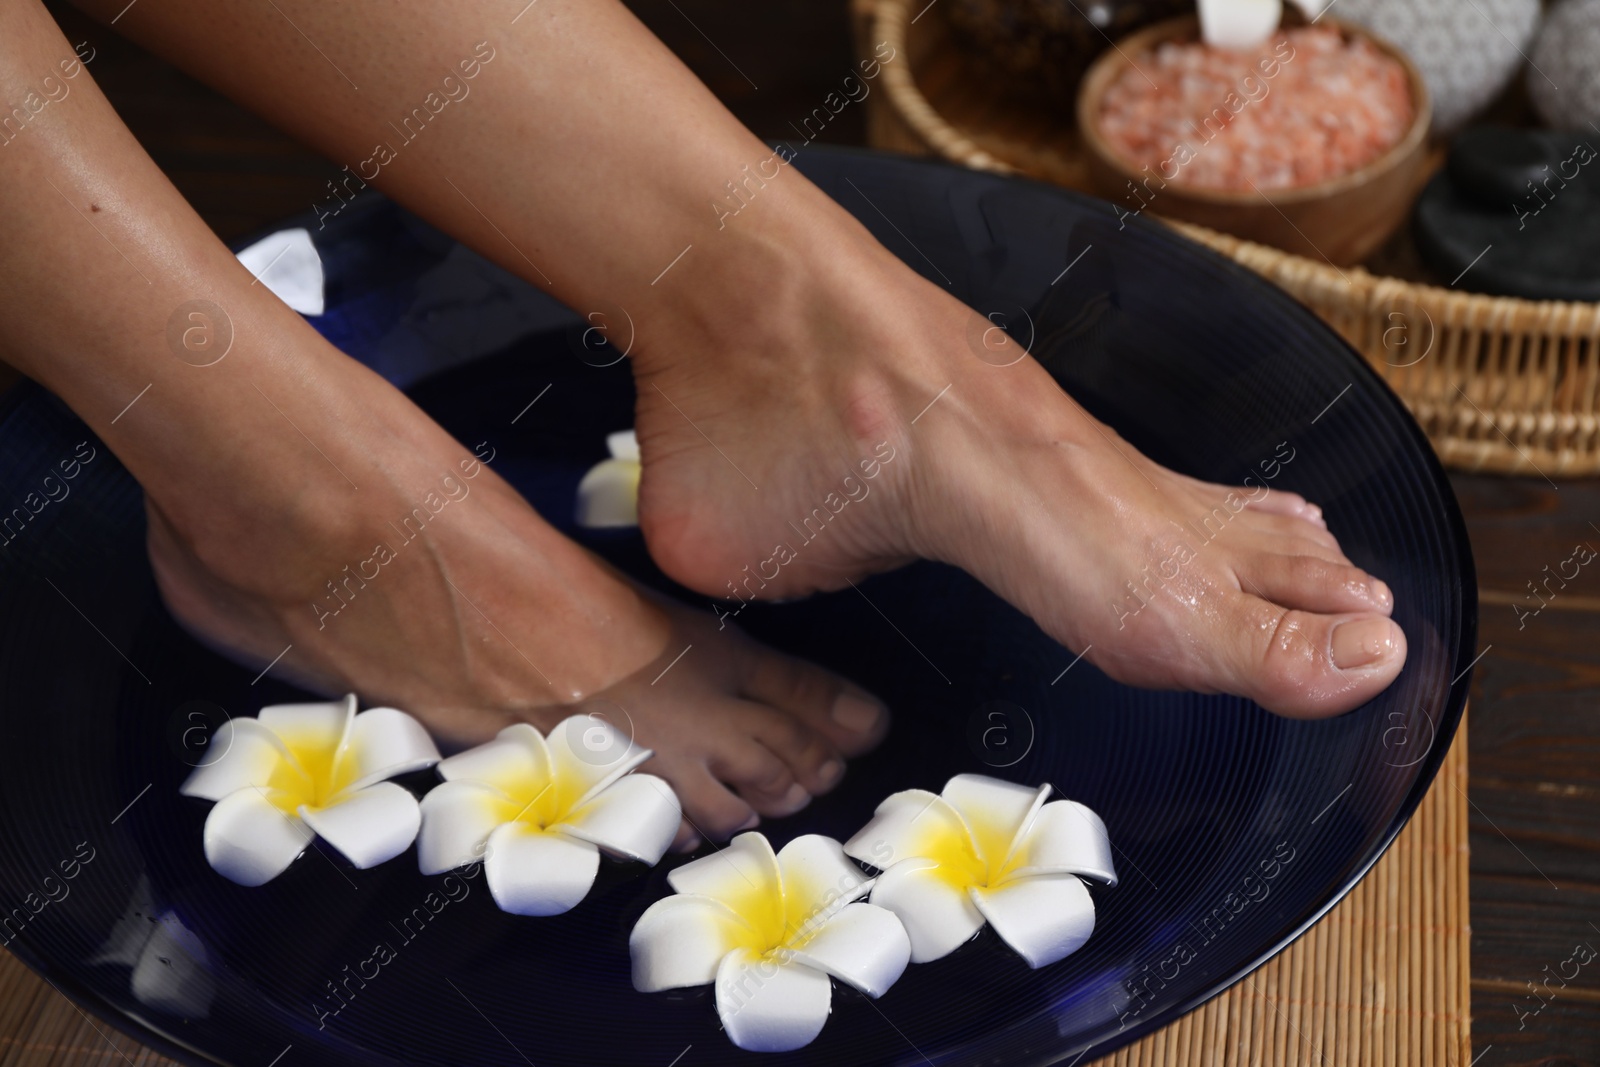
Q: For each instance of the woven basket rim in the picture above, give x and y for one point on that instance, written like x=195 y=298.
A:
x=1569 y=318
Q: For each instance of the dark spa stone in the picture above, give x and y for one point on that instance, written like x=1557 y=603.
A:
x=1483 y=227
x=1493 y=165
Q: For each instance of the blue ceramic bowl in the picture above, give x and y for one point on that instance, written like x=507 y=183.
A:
x=1234 y=829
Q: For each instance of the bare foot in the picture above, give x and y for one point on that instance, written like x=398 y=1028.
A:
x=752 y=732
x=846 y=426
x=436 y=588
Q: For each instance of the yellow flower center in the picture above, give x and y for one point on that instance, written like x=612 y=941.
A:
x=319 y=777
x=761 y=907
x=543 y=804
x=958 y=864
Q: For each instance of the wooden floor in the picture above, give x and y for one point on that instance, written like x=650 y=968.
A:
x=1535 y=739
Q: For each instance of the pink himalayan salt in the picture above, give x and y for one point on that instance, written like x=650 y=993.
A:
x=1307 y=106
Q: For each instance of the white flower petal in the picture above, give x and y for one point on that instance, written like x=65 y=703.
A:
x=744 y=876
x=320 y=727
x=531 y=872
x=173 y=973
x=588 y=752
x=382 y=743
x=771 y=1005
x=818 y=880
x=679 y=941
x=516 y=762
x=368 y=825
x=1064 y=837
x=250 y=840
x=938 y=916
x=457 y=819
x=863 y=945
x=906 y=825
x=608 y=496
x=242 y=753
x=635 y=817
x=1045 y=917
x=993 y=810
x=287 y=263
x=624 y=444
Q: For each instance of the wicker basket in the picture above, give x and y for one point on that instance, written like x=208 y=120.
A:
x=1499 y=384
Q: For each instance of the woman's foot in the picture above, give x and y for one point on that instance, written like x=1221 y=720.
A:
x=847 y=425
x=743 y=731
x=390 y=561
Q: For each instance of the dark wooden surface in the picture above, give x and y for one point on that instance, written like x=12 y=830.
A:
x=1535 y=773
x=1535 y=739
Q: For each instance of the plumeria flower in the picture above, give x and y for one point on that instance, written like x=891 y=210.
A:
x=298 y=771
x=769 y=930
x=609 y=493
x=538 y=812
x=981 y=850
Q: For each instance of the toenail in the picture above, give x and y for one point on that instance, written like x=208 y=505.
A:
x=856 y=713
x=1362 y=642
x=1381 y=593
x=796 y=798
x=749 y=824
x=830 y=773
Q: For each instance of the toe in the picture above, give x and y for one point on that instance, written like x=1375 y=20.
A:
x=812 y=760
x=848 y=717
x=1289 y=528
x=1292 y=505
x=1311 y=583
x=687 y=840
x=1306 y=665
x=1292 y=545
x=759 y=776
x=710 y=809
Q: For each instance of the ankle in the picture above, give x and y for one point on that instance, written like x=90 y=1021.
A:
x=384 y=518
x=777 y=283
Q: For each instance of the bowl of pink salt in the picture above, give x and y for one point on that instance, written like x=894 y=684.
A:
x=1313 y=141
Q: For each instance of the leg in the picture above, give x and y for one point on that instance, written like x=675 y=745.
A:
x=600 y=160
x=273 y=473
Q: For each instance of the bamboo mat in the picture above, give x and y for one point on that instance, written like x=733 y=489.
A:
x=1382 y=980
